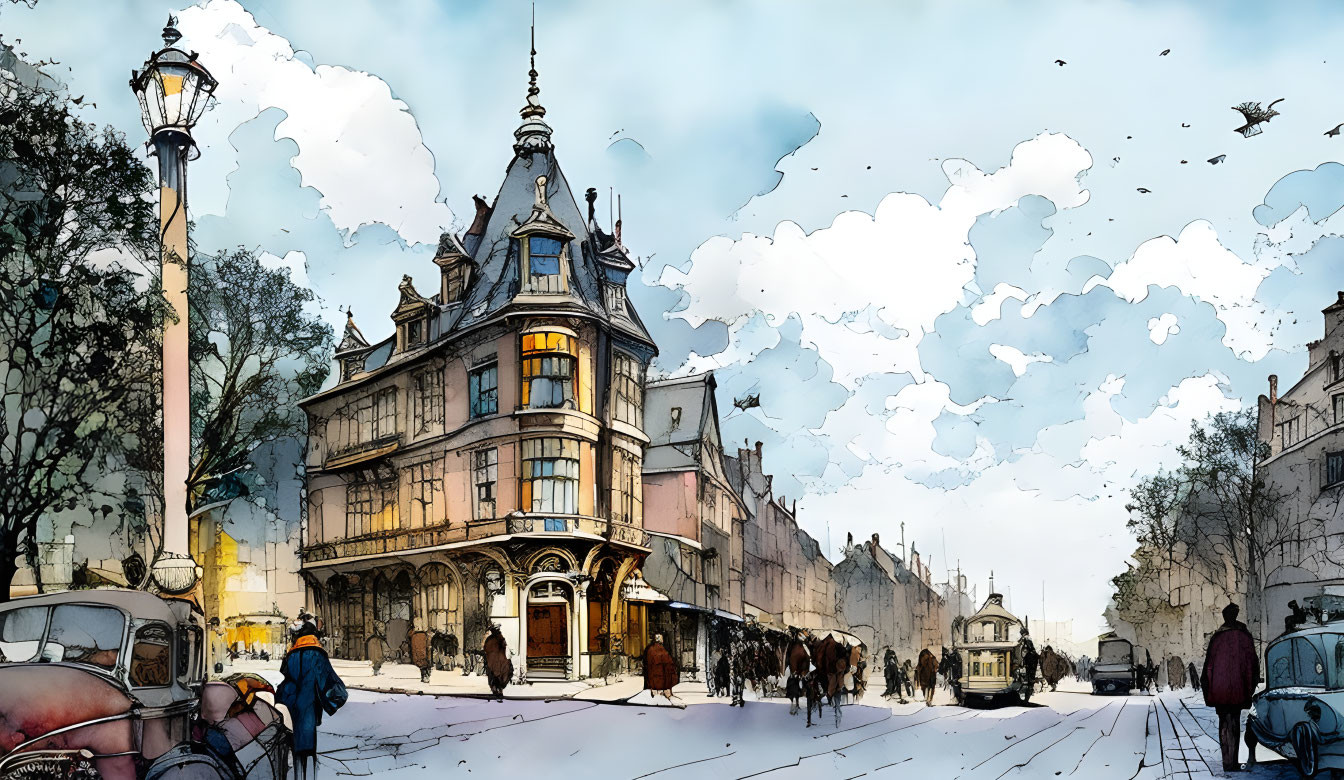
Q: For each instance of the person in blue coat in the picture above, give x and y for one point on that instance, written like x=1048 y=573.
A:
x=310 y=688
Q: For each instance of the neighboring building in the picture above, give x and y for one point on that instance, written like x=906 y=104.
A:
x=694 y=518
x=786 y=578
x=1304 y=430
x=887 y=604
x=1169 y=604
x=483 y=464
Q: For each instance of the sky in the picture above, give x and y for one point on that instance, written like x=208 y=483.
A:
x=980 y=293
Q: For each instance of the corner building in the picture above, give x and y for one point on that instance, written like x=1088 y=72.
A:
x=483 y=464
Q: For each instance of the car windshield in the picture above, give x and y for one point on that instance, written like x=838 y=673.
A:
x=1334 y=658
x=84 y=634
x=21 y=634
x=1113 y=653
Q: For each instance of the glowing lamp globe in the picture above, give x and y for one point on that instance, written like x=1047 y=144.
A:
x=173 y=88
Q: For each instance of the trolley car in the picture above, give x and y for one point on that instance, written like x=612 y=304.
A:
x=991 y=655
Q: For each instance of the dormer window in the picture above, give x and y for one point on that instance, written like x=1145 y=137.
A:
x=616 y=299
x=454 y=283
x=415 y=333
x=412 y=317
x=545 y=269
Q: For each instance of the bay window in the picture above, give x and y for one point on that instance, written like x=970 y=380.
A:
x=550 y=477
x=627 y=399
x=550 y=365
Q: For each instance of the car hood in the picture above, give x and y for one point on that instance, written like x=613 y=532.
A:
x=39 y=699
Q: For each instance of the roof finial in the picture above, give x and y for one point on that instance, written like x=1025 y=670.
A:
x=170 y=33
x=534 y=134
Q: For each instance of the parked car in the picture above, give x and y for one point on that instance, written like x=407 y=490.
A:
x=1301 y=710
x=107 y=684
x=1113 y=671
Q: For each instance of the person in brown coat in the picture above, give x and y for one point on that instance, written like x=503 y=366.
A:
x=419 y=644
x=660 y=671
x=1231 y=672
x=498 y=665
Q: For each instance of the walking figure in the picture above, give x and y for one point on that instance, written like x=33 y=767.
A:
x=1231 y=672
x=498 y=665
x=310 y=688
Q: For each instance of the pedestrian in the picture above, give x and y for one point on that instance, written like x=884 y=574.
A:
x=310 y=688
x=890 y=672
x=723 y=674
x=377 y=648
x=1231 y=672
x=1029 y=660
x=738 y=664
x=1175 y=672
x=908 y=679
x=928 y=675
x=419 y=646
x=498 y=665
x=660 y=671
x=1193 y=674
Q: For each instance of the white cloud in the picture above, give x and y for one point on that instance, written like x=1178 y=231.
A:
x=1201 y=267
x=1015 y=358
x=1159 y=328
x=358 y=144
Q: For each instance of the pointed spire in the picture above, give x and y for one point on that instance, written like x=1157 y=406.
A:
x=533 y=135
x=170 y=33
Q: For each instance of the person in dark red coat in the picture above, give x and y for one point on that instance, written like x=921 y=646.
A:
x=1231 y=672
x=660 y=671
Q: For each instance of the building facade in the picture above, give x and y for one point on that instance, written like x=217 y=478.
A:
x=482 y=465
x=1303 y=430
x=889 y=604
x=694 y=518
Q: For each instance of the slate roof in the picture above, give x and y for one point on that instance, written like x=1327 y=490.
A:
x=674 y=442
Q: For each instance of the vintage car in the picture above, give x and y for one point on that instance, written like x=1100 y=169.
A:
x=107 y=684
x=1113 y=671
x=1300 y=713
x=990 y=648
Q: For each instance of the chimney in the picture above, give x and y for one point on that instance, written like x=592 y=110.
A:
x=758 y=449
x=482 y=216
x=591 y=197
x=1273 y=388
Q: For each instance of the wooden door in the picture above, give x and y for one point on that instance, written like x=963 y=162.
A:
x=547 y=632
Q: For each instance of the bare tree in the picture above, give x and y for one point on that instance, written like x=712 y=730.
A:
x=78 y=329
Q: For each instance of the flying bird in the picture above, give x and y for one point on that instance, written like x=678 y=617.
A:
x=1061 y=63
x=1183 y=124
x=748 y=401
x=1165 y=52
x=1144 y=190
x=1255 y=116
x=1218 y=159
x=1334 y=130
x=78 y=100
x=1183 y=162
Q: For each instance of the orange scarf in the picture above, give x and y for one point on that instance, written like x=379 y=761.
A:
x=306 y=641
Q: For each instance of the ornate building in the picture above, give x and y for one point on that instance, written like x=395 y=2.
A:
x=483 y=464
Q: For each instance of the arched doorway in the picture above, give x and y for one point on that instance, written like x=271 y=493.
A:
x=443 y=608
x=549 y=605
x=345 y=607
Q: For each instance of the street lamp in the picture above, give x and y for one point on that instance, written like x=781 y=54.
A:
x=174 y=89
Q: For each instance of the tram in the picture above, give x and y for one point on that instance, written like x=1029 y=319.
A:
x=991 y=656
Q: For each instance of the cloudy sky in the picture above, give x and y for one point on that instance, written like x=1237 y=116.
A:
x=979 y=292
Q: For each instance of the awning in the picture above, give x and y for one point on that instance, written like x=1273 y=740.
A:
x=638 y=590
x=727 y=615
x=685 y=606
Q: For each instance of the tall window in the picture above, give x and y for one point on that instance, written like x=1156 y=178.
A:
x=545 y=272
x=425 y=484
x=484 y=387
x=364 y=422
x=1338 y=402
x=415 y=333
x=456 y=282
x=428 y=394
x=485 y=472
x=1290 y=431
x=370 y=506
x=551 y=476
x=549 y=363
x=627 y=390
x=1334 y=467
x=627 y=505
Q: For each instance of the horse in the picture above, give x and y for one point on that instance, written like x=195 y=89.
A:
x=832 y=660
x=926 y=672
x=799 y=664
x=1054 y=666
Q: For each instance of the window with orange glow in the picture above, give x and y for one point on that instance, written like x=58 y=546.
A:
x=549 y=363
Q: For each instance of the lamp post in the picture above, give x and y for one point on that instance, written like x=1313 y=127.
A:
x=174 y=89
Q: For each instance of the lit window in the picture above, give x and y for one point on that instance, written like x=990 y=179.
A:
x=628 y=390
x=548 y=371
x=426 y=493
x=370 y=506
x=551 y=476
x=485 y=472
x=484 y=387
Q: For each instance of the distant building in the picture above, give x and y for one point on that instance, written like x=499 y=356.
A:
x=888 y=604
x=483 y=464
x=694 y=518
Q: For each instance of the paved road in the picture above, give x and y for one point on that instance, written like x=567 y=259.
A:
x=1070 y=735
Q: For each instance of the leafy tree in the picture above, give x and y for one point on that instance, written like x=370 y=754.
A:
x=1214 y=515
x=256 y=350
x=78 y=329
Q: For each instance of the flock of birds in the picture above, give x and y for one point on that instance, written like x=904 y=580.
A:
x=1252 y=112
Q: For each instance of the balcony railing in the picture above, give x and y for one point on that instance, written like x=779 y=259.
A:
x=407 y=540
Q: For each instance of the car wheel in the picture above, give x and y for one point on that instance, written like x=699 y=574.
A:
x=1305 y=748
